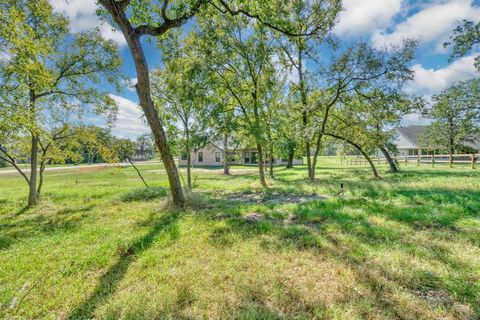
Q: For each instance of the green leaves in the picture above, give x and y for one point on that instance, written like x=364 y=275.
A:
x=465 y=38
x=456 y=112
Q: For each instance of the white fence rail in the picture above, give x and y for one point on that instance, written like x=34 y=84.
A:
x=430 y=159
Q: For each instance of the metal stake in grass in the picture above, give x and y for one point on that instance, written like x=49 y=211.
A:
x=342 y=190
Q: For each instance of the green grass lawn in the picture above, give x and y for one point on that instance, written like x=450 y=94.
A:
x=406 y=246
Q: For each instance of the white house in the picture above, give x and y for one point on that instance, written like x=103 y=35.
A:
x=211 y=155
x=406 y=140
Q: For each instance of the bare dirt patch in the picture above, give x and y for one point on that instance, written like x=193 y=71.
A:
x=261 y=197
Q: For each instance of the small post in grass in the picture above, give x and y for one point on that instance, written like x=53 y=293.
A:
x=433 y=158
x=473 y=161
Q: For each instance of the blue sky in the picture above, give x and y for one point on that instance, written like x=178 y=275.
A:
x=381 y=22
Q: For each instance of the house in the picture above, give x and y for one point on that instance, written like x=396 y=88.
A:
x=143 y=154
x=211 y=155
x=406 y=139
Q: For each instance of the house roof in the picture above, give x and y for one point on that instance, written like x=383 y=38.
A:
x=473 y=143
x=411 y=133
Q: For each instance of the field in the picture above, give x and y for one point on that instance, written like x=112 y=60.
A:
x=406 y=246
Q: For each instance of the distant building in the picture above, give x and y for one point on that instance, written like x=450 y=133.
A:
x=406 y=140
x=211 y=155
x=142 y=154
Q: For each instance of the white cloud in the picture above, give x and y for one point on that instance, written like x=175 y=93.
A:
x=432 y=24
x=431 y=81
x=82 y=15
x=414 y=119
x=130 y=84
x=365 y=17
x=129 y=122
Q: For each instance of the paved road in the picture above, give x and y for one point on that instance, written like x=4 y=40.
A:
x=7 y=171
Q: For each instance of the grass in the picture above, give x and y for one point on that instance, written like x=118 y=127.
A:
x=406 y=246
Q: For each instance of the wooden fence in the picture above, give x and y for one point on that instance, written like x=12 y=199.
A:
x=430 y=159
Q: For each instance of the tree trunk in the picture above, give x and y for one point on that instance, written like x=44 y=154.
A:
x=372 y=166
x=391 y=162
x=226 y=164
x=291 y=154
x=145 y=98
x=40 y=177
x=261 y=172
x=315 y=157
x=303 y=95
x=32 y=183
x=32 y=186
x=189 y=171
x=271 y=167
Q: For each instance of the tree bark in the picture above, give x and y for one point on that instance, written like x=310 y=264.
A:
x=303 y=95
x=189 y=171
x=271 y=167
x=226 y=164
x=189 y=160
x=261 y=172
x=40 y=177
x=391 y=162
x=291 y=154
x=32 y=185
x=144 y=95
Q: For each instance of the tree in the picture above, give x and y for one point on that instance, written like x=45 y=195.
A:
x=139 y=18
x=145 y=147
x=180 y=95
x=342 y=127
x=465 y=38
x=295 y=51
x=353 y=71
x=377 y=112
x=241 y=58
x=455 y=122
x=225 y=123
x=44 y=82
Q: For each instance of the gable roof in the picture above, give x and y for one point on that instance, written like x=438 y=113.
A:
x=473 y=143
x=411 y=133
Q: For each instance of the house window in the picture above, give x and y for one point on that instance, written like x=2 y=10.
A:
x=217 y=156
x=254 y=157
x=200 y=157
x=247 y=157
x=184 y=156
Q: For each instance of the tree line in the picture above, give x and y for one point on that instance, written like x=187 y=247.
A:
x=268 y=74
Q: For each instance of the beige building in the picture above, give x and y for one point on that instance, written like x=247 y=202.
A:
x=212 y=155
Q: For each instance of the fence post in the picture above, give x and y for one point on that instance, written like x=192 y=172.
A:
x=450 y=160
x=433 y=158
x=406 y=160
x=473 y=161
x=418 y=159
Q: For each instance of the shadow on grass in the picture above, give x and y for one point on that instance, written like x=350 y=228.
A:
x=420 y=227
x=18 y=226
x=109 y=281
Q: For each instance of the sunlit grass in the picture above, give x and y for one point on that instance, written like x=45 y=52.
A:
x=406 y=246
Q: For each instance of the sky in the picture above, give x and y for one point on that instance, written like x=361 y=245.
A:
x=380 y=22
